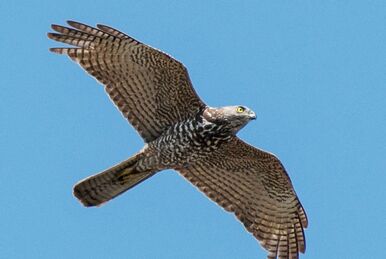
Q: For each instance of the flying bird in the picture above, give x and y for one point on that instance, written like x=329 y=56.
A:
x=154 y=93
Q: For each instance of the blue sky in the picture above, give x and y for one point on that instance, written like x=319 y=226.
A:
x=315 y=74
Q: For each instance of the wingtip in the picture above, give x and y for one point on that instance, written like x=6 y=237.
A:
x=51 y=35
x=77 y=25
x=57 y=27
x=53 y=26
x=100 y=26
x=55 y=50
x=71 y=22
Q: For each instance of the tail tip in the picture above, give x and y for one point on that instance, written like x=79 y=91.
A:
x=84 y=198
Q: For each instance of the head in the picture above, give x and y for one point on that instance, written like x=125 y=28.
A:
x=234 y=117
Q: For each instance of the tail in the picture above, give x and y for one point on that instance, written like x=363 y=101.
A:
x=100 y=188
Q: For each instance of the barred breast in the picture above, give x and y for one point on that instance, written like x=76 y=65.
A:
x=187 y=141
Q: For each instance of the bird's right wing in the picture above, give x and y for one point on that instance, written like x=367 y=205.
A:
x=255 y=186
x=150 y=88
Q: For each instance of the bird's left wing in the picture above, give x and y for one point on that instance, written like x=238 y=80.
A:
x=255 y=186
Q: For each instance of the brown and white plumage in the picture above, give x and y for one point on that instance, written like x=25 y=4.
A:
x=153 y=91
x=254 y=185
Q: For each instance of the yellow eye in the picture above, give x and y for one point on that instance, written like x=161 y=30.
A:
x=240 y=109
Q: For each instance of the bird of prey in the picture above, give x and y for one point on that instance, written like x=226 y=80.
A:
x=154 y=93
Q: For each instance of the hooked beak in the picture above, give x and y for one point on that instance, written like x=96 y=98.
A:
x=252 y=115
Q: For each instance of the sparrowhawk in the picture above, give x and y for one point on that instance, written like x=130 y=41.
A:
x=154 y=93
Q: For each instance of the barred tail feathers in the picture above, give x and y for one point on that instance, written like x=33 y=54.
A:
x=102 y=187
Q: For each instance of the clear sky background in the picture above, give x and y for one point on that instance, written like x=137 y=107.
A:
x=314 y=72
